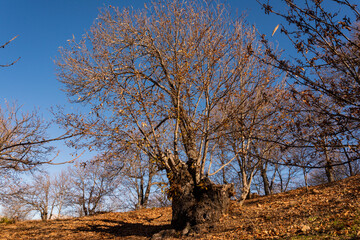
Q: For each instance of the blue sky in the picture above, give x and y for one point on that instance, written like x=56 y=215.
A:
x=45 y=25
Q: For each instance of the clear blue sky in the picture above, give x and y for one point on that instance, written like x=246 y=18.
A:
x=45 y=25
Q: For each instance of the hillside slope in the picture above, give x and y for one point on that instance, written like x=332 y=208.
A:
x=329 y=211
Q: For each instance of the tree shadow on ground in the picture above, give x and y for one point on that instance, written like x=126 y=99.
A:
x=124 y=229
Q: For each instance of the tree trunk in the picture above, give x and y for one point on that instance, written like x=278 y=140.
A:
x=144 y=191
x=351 y=172
x=195 y=204
x=328 y=167
x=148 y=188
x=140 y=203
x=305 y=179
x=244 y=193
x=44 y=216
x=329 y=172
x=265 y=179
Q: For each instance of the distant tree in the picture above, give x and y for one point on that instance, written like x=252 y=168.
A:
x=155 y=79
x=352 y=168
x=320 y=143
x=24 y=140
x=23 y=136
x=60 y=190
x=317 y=176
x=91 y=185
x=37 y=196
x=139 y=176
x=13 y=209
x=302 y=157
x=252 y=133
x=16 y=210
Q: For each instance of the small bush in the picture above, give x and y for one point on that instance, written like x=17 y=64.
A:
x=7 y=220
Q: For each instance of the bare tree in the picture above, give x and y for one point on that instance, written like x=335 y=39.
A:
x=155 y=80
x=24 y=143
x=326 y=37
x=17 y=132
x=91 y=183
x=139 y=175
x=322 y=140
x=16 y=210
x=13 y=209
x=37 y=196
x=23 y=136
x=253 y=133
x=60 y=190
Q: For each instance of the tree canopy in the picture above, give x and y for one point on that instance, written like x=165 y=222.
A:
x=169 y=80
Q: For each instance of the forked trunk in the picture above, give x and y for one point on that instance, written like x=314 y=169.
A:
x=195 y=204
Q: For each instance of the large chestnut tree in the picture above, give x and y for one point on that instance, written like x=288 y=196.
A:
x=162 y=80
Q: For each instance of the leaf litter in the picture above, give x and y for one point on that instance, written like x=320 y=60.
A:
x=328 y=211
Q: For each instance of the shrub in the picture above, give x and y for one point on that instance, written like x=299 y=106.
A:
x=7 y=220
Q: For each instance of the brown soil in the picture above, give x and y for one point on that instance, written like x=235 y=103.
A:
x=329 y=211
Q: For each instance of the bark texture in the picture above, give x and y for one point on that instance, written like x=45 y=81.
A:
x=196 y=204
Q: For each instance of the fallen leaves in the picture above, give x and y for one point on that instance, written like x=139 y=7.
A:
x=324 y=212
x=305 y=228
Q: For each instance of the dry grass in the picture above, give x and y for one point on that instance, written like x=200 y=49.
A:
x=329 y=211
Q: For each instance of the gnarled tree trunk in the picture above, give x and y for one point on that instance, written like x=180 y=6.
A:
x=194 y=204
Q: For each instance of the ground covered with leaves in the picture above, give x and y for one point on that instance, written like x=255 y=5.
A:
x=329 y=211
